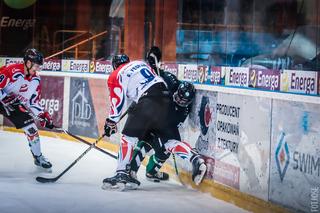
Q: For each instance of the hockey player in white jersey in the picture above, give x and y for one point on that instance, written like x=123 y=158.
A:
x=19 y=98
x=136 y=81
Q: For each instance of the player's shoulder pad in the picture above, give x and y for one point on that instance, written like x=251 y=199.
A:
x=15 y=68
x=168 y=76
x=14 y=71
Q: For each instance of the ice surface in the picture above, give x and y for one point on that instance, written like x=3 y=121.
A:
x=79 y=190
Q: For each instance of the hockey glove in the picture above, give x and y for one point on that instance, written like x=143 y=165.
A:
x=46 y=120
x=11 y=103
x=8 y=100
x=110 y=127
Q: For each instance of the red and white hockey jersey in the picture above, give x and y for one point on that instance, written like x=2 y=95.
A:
x=127 y=83
x=27 y=90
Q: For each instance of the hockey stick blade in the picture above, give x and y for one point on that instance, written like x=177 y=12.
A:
x=46 y=180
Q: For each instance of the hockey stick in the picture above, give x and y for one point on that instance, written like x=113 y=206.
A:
x=157 y=63
x=54 y=179
x=86 y=142
x=176 y=168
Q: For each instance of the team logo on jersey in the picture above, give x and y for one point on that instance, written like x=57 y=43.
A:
x=15 y=70
x=23 y=88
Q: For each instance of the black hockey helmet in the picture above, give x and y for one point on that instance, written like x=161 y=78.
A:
x=153 y=56
x=34 y=56
x=117 y=60
x=184 y=94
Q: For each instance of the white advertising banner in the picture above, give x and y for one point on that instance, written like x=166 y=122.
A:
x=232 y=132
x=304 y=82
x=75 y=65
x=10 y=60
x=295 y=155
x=243 y=139
x=236 y=76
x=51 y=65
x=188 y=72
x=101 y=67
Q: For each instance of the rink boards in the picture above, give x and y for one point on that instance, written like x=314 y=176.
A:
x=263 y=144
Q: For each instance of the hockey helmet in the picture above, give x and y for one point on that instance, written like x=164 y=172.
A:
x=117 y=60
x=34 y=56
x=184 y=94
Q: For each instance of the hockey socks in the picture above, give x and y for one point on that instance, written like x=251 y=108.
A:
x=31 y=131
x=152 y=170
x=126 y=151
x=139 y=153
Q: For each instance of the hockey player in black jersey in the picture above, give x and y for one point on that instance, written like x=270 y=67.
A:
x=182 y=94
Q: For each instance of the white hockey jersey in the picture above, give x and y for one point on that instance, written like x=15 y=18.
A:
x=27 y=90
x=127 y=83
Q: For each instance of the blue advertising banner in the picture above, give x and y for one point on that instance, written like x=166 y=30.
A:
x=82 y=117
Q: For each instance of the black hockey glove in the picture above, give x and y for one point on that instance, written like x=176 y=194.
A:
x=110 y=127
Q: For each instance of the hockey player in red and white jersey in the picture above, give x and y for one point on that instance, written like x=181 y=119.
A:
x=19 y=101
x=136 y=81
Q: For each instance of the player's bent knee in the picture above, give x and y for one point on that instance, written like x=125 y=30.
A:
x=31 y=129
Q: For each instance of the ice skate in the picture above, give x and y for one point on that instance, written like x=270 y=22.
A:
x=199 y=169
x=42 y=163
x=157 y=177
x=121 y=181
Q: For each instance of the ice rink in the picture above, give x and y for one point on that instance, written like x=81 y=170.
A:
x=79 y=190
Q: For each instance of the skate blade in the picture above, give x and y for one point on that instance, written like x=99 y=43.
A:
x=198 y=179
x=130 y=186
x=153 y=180
x=117 y=187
